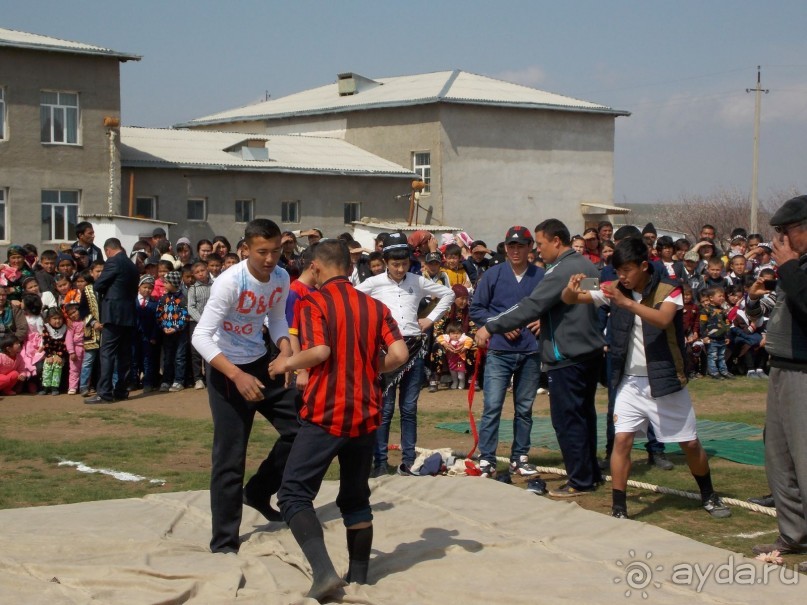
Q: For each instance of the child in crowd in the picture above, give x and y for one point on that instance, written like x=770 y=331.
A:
x=665 y=251
x=456 y=346
x=164 y=267
x=714 y=274
x=62 y=285
x=376 y=262
x=578 y=244
x=54 y=344
x=145 y=356
x=32 y=352
x=30 y=286
x=214 y=265
x=172 y=315
x=433 y=271
x=651 y=384
x=89 y=312
x=187 y=279
x=44 y=276
x=714 y=330
x=78 y=284
x=74 y=342
x=12 y=366
x=198 y=295
x=66 y=265
x=606 y=252
x=691 y=324
x=745 y=335
x=453 y=267
x=230 y=259
x=737 y=264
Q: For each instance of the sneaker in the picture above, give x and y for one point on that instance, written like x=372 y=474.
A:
x=542 y=391
x=84 y=392
x=752 y=374
x=165 y=387
x=487 y=470
x=42 y=392
x=537 y=486
x=199 y=385
x=432 y=387
x=766 y=501
x=406 y=471
x=54 y=391
x=761 y=373
x=660 y=461
x=378 y=471
x=716 y=377
x=522 y=467
x=715 y=507
x=176 y=387
x=617 y=512
x=71 y=392
x=727 y=375
x=567 y=491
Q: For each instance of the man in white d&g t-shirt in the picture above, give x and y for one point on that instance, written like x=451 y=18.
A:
x=229 y=336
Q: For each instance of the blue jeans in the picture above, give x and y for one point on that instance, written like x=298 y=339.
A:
x=716 y=357
x=525 y=369
x=86 y=368
x=409 y=390
x=174 y=348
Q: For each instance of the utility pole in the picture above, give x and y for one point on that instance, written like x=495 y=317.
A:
x=755 y=173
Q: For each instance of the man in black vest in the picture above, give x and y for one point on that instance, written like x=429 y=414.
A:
x=117 y=286
x=786 y=341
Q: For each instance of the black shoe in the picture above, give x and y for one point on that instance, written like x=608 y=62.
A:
x=54 y=391
x=264 y=508
x=537 y=486
x=617 y=512
x=604 y=463
x=406 y=471
x=123 y=397
x=96 y=399
x=660 y=461
x=727 y=375
x=378 y=471
x=763 y=501
x=783 y=547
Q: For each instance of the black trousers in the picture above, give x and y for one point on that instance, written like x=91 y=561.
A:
x=571 y=404
x=232 y=424
x=116 y=354
x=311 y=455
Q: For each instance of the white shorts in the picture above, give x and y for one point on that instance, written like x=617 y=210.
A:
x=671 y=416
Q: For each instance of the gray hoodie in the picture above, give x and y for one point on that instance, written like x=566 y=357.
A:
x=569 y=333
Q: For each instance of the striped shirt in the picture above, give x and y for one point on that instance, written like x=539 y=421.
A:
x=343 y=394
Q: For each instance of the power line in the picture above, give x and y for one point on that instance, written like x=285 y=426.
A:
x=663 y=82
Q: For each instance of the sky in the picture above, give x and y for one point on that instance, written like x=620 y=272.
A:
x=681 y=68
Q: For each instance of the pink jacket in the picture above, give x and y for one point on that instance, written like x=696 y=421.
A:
x=8 y=365
x=74 y=339
x=32 y=351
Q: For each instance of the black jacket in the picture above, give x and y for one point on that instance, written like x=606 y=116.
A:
x=117 y=286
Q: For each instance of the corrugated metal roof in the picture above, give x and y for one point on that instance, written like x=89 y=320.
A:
x=208 y=150
x=17 y=39
x=444 y=86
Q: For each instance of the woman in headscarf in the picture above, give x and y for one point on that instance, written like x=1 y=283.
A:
x=422 y=242
x=16 y=260
x=12 y=319
x=460 y=312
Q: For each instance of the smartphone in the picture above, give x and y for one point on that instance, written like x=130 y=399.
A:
x=770 y=284
x=589 y=283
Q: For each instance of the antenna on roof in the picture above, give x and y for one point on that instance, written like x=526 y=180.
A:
x=267 y=95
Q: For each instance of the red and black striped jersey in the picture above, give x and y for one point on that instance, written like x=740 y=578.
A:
x=343 y=394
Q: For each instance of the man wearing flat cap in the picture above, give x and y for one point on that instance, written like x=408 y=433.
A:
x=786 y=418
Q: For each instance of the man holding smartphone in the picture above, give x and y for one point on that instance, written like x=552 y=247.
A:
x=786 y=341
x=571 y=352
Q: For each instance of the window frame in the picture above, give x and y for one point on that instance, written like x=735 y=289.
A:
x=204 y=209
x=421 y=169
x=4 y=215
x=3 y=124
x=64 y=108
x=68 y=233
x=352 y=208
x=250 y=202
x=285 y=205
x=153 y=201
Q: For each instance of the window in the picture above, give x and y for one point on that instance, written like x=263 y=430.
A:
x=244 y=210
x=59 y=215
x=58 y=114
x=146 y=207
x=290 y=212
x=3 y=221
x=2 y=114
x=352 y=212
x=197 y=209
x=422 y=164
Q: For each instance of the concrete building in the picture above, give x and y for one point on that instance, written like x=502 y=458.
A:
x=59 y=107
x=492 y=153
x=213 y=183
